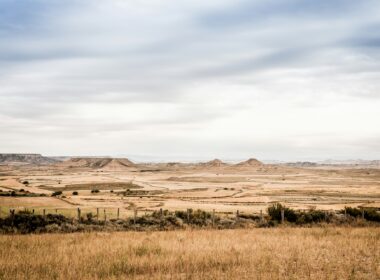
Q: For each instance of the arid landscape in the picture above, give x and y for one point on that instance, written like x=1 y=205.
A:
x=219 y=139
x=248 y=187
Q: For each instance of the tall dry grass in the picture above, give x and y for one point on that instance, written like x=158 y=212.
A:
x=280 y=253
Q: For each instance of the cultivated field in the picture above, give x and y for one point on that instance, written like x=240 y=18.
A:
x=280 y=253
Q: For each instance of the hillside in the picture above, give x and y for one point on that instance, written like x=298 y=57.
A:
x=252 y=162
x=213 y=163
x=98 y=163
x=23 y=159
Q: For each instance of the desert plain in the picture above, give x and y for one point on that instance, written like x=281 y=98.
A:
x=248 y=187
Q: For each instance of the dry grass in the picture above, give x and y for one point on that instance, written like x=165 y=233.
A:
x=281 y=253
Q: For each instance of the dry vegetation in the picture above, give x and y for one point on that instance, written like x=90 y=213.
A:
x=281 y=253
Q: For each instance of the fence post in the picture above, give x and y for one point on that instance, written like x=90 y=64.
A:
x=213 y=217
x=56 y=210
x=105 y=215
x=12 y=212
x=134 y=215
x=79 y=216
x=188 y=215
x=261 y=215
x=97 y=214
x=33 y=211
x=282 y=216
x=44 y=212
x=118 y=213
x=161 y=214
x=237 y=215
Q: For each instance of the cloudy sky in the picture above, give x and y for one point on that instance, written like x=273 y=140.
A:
x=161 y=79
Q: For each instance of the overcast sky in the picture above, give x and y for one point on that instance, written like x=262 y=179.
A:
x=273 y=79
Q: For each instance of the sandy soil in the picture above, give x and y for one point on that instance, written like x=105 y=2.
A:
x=223 y=188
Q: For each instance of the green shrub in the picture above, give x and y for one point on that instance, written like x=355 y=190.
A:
x=371 y=215
x=274 y=212
x=56 y=193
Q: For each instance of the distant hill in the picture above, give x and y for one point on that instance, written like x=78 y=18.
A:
x=23 y=159
x=213 y=163
x=302 y=164
x=98 y=163
x=252 y=162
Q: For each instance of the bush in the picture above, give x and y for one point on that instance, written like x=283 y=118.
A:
x=313 y=216
x=56 y=193
x=353 y=212
x=274 y=212
x=371 y=215
x=75 y=193
x=95 y=191
x=26 y=182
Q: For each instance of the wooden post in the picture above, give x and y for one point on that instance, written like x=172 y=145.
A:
x=12 y=212
x=161 y=213
x=325 y=215
x=213 y=217
x=188 y=215
x=44 y=212
x=237 y=215
x=282 y=216
x=79 y=216
x=118 y=213
x=261 y=215
x=97 y=214
x=105 y=215
x=134 y=215
x=56 y=210
x=33 y=211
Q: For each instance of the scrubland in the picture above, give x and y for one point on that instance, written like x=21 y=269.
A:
x=275 y=253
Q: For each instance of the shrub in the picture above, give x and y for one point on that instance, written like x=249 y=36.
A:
x=371 y=215
x=353 y=212
x=75 y=193
x=56 y=193
x=95 y=191
x=26 y=182
x=274 y=212
x=313 y=216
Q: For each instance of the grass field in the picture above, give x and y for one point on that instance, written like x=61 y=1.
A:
x=281 y=253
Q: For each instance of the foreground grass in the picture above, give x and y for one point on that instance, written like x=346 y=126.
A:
x=280 y=253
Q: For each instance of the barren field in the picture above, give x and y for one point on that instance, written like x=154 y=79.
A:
x=225 y=188
x=281 y=253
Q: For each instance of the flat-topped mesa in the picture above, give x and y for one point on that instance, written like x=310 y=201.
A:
x=20 y=159
x=250 y=162
x=213 y=163
x=98 y=163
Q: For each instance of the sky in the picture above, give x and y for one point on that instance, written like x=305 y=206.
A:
x=185 y=80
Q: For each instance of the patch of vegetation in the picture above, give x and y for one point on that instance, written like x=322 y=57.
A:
x=75 y=193
x=56 y=193
x=20 y=193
